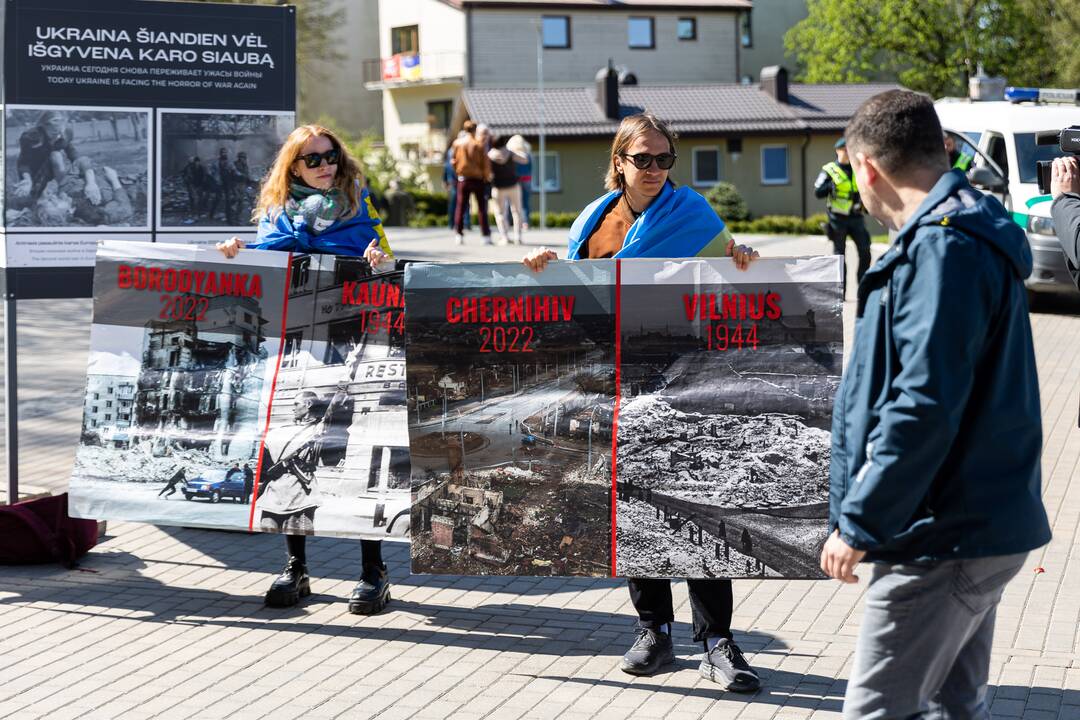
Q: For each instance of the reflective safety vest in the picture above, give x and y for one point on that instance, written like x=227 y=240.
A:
x=841 y=200
x=963 y=162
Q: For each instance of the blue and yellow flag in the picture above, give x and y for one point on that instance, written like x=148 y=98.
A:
x=680 y=223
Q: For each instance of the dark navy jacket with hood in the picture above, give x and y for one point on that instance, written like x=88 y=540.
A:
x=937 y=429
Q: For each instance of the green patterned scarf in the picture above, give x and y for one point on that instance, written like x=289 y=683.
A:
x=319 y=209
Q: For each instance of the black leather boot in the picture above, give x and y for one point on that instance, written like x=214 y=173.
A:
x=292 y=584
x=372 y=593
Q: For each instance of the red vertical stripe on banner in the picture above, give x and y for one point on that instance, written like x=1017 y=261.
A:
x=270 y=402
x=615 y=410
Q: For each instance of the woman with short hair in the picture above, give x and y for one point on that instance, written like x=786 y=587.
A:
x=645 y=216
x=313 y=200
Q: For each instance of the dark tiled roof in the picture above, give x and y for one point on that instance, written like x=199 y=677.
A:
x=694 y=109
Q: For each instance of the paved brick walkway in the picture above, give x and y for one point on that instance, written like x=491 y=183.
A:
x=169 y=623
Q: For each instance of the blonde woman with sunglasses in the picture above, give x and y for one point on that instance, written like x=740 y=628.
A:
x=313 y=201
x=645 y=216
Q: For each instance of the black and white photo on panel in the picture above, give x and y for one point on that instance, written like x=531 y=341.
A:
x=724 y=430
x=337 y=451
x=211 y=164
x=71 y=167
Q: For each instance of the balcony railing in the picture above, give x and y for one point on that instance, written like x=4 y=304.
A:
x=414 y=68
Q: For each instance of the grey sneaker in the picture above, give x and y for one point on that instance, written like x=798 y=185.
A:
x=651 y=651
x=726 y=666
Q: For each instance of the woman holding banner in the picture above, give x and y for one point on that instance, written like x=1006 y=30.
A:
x=645 y=216
x=313 y=201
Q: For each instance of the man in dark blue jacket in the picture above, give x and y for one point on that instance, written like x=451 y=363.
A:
x=936 y=429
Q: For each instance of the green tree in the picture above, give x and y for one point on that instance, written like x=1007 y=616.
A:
x=933 y=46
x=317 y=39
x=1060 y=21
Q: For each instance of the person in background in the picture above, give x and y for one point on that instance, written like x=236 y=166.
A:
x=505 y=188
x=836 y=183
x=249 y=483
x=313 y=200
x=521 y=147
x=958 y=160
x=645 y=216
x=170 y=485
x=937 y=430
x=473 y=170
x=450 y=183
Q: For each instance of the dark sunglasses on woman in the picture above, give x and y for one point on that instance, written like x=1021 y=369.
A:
x=314 y=160
x=642 y=161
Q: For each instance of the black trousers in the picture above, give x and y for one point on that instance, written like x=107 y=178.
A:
x=711 y=604
x=841 y=227
x=370 y=550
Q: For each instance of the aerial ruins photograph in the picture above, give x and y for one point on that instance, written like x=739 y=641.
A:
x=727 y=383
x=510 y=416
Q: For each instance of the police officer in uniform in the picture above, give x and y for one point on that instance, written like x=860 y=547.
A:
x=957 y=160
x=836 y=182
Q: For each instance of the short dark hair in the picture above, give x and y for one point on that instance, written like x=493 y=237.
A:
x=899 y=129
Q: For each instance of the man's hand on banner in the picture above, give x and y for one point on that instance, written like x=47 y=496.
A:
x=838 y=559
x=230 y=247
x=537 y=260
x=374 y=254
x=741 y=254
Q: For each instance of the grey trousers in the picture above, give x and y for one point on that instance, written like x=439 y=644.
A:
x=924 y=646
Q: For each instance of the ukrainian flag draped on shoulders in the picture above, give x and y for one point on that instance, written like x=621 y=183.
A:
x=680 y=223
x=347 y=236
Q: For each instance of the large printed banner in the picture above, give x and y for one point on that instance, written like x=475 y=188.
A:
x=264 y=393
x=711 y=388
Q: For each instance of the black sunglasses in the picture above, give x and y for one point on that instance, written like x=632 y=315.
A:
x=314 y=160
x=642 y=161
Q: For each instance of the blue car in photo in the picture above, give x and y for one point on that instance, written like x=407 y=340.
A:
x=215 y=485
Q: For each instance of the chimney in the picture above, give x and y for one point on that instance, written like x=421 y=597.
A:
x=607 y=91
x=774 y=82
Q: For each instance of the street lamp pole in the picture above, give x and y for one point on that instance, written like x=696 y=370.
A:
x=543 y=145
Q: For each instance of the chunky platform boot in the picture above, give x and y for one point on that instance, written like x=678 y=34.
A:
x=372 y=593
x=292 y=584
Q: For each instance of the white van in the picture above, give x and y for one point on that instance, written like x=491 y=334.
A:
x=1003 y=133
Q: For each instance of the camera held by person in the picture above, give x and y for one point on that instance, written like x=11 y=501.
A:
x=1064 y=186
x=1069 y=142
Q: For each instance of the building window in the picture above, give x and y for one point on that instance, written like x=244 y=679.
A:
x=292 y=348
x=774 y=165
x=706 y=162
x=248 y=319
x=555 y=30
x=300 y=271
x=687 y=28
x=108 y=403
x=109 y=391
x=94 y=409
x=97 y=396
x=344 y=336
x=438 y=114
x=552 y=177
x=746 y=31
x=108 y=418
x=639 y=32
x=405 y=40
x=350 y=269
